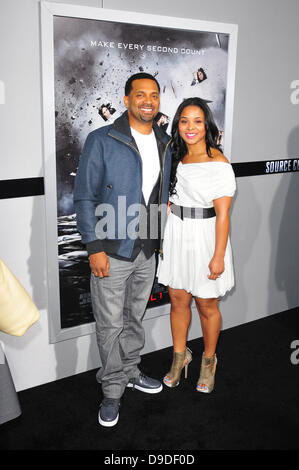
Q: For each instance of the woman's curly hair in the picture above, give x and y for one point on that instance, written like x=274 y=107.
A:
x=179 y=147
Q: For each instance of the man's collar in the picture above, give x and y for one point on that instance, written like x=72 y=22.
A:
x=122 y=125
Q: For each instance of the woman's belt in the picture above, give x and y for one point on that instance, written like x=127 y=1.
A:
x=192 y=212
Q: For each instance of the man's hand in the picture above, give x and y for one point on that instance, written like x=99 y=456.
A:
x=99 y=264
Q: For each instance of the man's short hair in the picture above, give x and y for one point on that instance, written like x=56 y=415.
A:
x=139 y=76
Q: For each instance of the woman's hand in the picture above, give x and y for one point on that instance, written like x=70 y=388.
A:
x=216 y=267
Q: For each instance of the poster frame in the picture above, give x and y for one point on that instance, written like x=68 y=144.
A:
x=48 y=11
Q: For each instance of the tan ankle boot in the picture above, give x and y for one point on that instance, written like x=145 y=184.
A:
x=180 y=360
x=206 y=381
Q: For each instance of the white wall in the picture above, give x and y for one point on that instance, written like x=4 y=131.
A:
x=264 y=225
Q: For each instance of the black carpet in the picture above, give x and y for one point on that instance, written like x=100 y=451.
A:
x=255 y=404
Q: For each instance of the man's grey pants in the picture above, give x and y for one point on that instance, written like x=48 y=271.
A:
x=119 y=303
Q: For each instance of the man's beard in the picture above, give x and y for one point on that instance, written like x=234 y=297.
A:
x=146 y=118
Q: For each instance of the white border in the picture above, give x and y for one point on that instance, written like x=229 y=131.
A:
x=48 y=10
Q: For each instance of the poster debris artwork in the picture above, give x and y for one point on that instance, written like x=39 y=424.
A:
x=92 y=61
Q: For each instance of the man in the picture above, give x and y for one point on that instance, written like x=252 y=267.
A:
x=123 y=165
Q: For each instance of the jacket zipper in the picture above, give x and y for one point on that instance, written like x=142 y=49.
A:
x=161 y=184
x=136 y=150
x=160 y=196
x=132 y=147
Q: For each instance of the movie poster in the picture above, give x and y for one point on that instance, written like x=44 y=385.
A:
x=92 y=61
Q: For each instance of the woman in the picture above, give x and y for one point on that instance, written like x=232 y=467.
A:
x=199 y=76
x=197 y=258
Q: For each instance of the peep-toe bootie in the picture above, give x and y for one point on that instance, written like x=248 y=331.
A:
x=180 y=360
x=206 y=381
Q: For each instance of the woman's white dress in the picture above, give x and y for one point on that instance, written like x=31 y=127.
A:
x=189 y=244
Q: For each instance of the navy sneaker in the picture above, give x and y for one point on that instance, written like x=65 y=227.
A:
x=108 y=414
x=145 y=384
